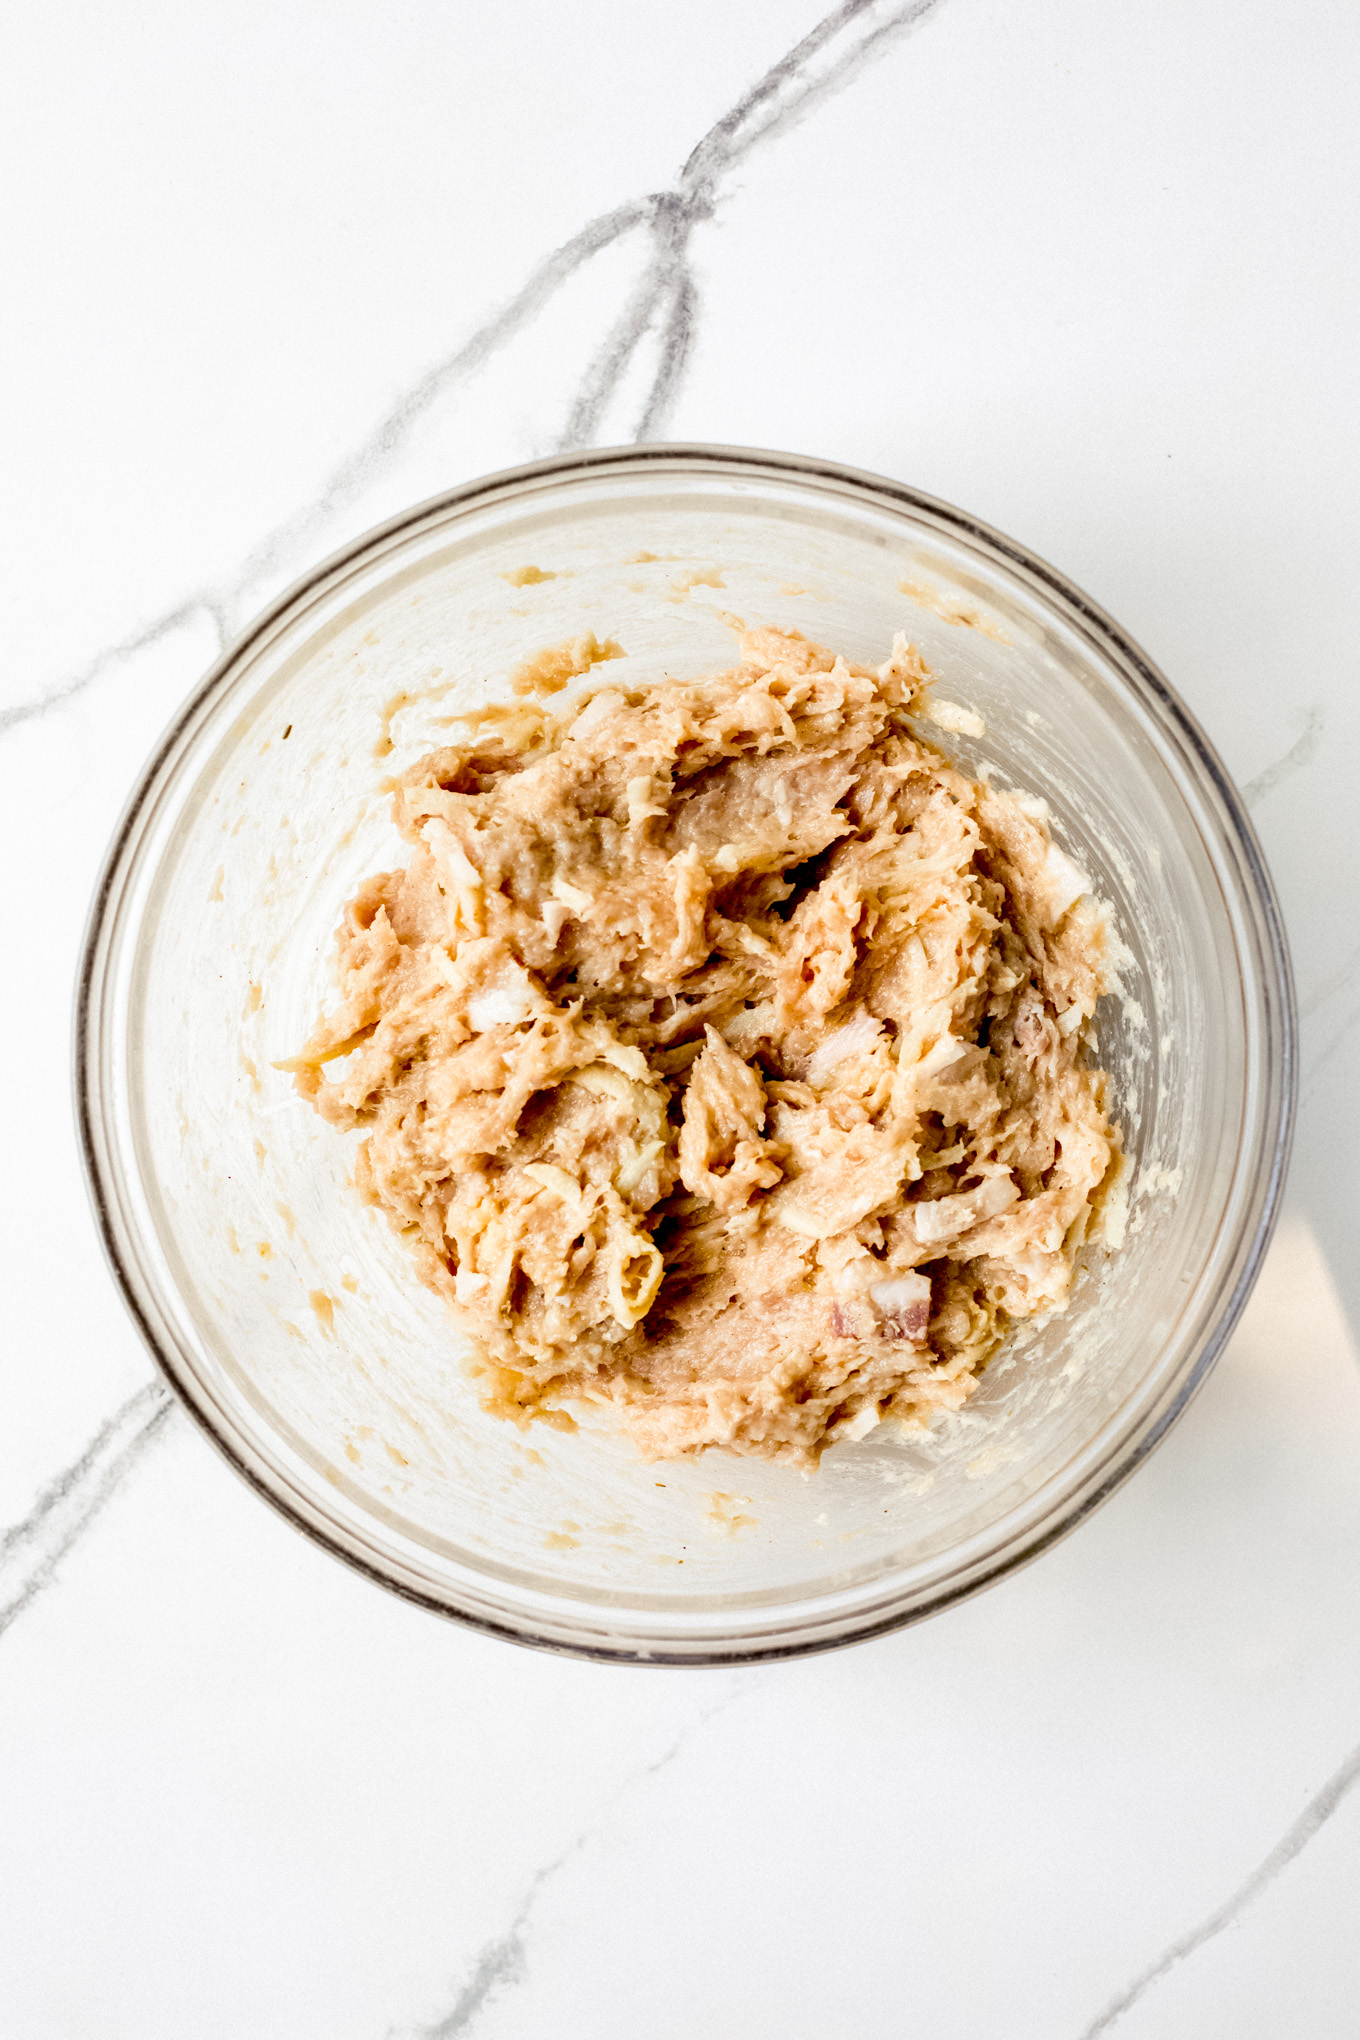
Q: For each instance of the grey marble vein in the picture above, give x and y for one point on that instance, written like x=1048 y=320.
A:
x=1296 y=1838
x=665 y=300
x=680 y=330
x=374 y=452
x=290 y=540
x=827 y=59
x=503 y=1961
x=615 y=355
x=1339 y=981
x=189 y=611
x=1315 y=1062
x=1311 y=1008
x=31 y=1551
x=1299 y=754
x=854 y=35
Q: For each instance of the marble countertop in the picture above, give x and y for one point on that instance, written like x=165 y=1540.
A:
x=275 y=272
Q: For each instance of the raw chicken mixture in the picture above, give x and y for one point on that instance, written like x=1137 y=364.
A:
x=723 y=1052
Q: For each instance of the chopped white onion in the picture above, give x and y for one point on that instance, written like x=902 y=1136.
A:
x=945 y=1218
x=1066 y=882
x=946 y=1052
x=898 y=1295
x=595 y=711
x=503 y=1004
x=844 y=1041
x=947 y=715
x=860 y=1425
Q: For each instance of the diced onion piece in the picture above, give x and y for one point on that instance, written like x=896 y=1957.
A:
x=903 y=1303
x=634 y=1173
x=946 y=1051
x=849 y=1039
x=557 y=1181
x=596 y=710
x=945 y=1218
x=503 y=1004
x=1066 y=882
x=635 y=1272
x=947 y=715
x=860 y=1425
x=570 y=895
x=460 y=879
x=899 y=1293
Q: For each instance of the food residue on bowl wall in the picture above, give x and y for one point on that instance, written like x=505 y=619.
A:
x=549 y=671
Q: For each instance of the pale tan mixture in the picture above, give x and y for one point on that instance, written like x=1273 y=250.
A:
x=723 y=1054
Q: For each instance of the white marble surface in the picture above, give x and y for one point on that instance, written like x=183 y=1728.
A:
x=274 y=272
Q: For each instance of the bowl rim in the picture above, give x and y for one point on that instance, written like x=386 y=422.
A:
x=779 y=1640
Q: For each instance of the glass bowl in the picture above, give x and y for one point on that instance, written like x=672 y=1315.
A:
x=288 y=1318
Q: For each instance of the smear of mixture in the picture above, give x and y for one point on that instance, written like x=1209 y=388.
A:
x=724 y=1054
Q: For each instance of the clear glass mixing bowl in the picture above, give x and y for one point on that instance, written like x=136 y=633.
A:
x=286 y=1315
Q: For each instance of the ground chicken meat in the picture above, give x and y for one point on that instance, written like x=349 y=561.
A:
x=720 y=1053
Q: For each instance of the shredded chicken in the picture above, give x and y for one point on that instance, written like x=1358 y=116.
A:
x=720 y=1052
